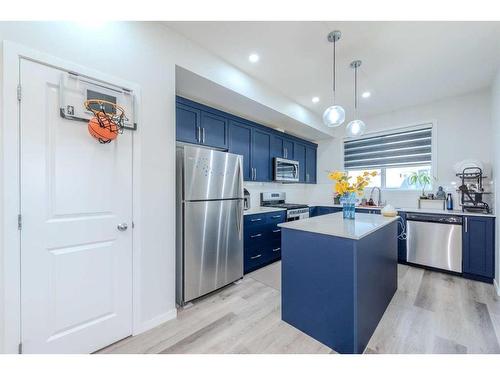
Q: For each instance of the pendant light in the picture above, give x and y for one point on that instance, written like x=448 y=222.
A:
x=356 y=127
x=334 y=115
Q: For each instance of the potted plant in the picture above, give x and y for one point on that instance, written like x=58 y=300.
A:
x=421 y=178
x=347 y=190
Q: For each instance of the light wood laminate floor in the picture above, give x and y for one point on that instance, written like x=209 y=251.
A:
x=431 y=312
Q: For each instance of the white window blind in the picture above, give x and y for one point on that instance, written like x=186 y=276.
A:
x=402 y=148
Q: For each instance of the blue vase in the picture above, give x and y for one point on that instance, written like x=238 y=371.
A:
x=348 y=202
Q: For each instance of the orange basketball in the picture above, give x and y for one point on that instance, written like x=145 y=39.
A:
x=101 y=128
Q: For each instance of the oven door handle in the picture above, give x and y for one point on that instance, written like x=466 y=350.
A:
x=295 y=171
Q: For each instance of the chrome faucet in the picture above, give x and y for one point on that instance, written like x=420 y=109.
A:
x=379 y=201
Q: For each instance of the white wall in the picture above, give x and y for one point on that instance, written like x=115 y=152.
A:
x=495 y=107
x=146 y=53
x=464 y=131
x=464 y=128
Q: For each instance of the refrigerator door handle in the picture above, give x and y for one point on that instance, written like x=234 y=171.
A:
x=240 y=175
x=239 y=218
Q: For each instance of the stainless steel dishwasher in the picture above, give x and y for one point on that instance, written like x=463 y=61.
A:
x=434 y=241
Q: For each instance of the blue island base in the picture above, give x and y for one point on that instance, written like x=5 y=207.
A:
x=337 y=289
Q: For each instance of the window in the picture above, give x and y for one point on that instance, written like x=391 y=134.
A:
x=395 y=156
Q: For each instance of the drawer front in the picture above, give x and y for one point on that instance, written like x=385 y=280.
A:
x=256 y=235
x=257 y=219
x=275 y=249
x=276 y=217
x=275 y=232
x=255 y=258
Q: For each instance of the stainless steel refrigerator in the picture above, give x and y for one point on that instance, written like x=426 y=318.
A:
x=209 y=209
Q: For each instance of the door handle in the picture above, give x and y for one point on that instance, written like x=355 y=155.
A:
x=198 y=133
x=239 y=217
x=122 y=227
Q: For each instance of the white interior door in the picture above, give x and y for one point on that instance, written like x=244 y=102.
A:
x=76 y=266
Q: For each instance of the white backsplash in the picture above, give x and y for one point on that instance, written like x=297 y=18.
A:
x=323 y=193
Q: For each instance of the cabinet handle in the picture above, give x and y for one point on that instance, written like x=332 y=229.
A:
x=198 y=133
x=259 y=219
x=276 y=230
x=256 y=256
x=307 y=177
x=203 y=134
x=275 y=217
x=286 y=152
x=256 y=235
x=277 y=249
x=466 y=221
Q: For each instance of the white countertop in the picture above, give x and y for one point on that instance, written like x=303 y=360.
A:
x=406 y=209
x=336 y=225
x=262 y=210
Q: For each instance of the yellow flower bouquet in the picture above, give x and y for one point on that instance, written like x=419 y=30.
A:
x=347 y=189
x=344 y=186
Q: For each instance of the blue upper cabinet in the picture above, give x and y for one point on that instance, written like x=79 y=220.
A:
x=478 y=247
x=282 y=147
x=261 y=156
x=240 y=140
x=187 y=123
x=299 y=154
x=213 y=130
x=310 y=165
x=202 y=125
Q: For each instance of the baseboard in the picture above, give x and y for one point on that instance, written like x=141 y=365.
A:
x=497 y=287
x=156 y=321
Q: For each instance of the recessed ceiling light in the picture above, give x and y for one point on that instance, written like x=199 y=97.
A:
x=253 y=58
x=366 y=94
x=315 y=99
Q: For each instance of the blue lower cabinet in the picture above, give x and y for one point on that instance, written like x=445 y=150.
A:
x=313 y=211
x=262 y=240
x=325 y=210
x=478 y=246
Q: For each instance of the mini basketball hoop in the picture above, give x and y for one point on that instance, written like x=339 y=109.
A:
x=108 y=120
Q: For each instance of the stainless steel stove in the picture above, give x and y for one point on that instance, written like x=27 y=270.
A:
x=277 y=199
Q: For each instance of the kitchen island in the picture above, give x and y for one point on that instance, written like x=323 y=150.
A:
x=338 y=277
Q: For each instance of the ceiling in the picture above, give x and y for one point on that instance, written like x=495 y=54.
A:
x=404 y=63
x=202 y=90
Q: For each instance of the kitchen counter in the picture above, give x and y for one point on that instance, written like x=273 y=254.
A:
x=336 y=225
x=338 y=277
x=261 y=210
x=406 y=209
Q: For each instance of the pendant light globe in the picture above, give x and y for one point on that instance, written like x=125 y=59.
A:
x=334 y=115
x=355 y=128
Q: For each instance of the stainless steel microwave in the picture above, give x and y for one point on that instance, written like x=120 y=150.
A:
x=286 y=170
